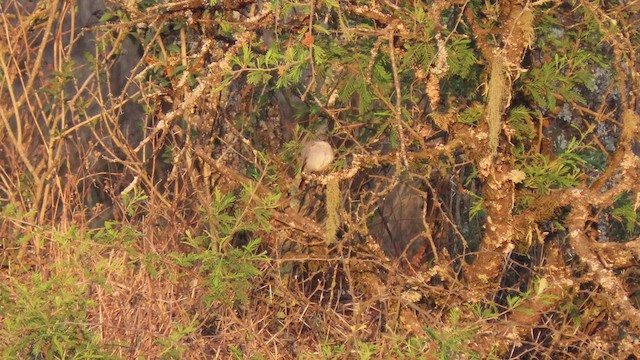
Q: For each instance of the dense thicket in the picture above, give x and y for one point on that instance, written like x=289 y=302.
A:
x=483 y=202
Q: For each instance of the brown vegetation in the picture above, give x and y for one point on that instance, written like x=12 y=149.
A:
x=150 y=163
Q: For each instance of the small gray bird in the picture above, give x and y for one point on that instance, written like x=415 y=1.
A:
x=316 y=156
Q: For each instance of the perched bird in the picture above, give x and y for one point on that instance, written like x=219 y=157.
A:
x=316 y=156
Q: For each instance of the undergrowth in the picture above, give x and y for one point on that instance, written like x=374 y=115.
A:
x=483 y=202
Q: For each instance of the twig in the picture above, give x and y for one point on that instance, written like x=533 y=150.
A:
x=396 y=83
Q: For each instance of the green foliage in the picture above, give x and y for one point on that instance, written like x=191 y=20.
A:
x=329 y=351
x=288 y=64
x=624 y=210
x=173 y=345
x=133 y=200
x=520 y=120
x=413 y=348
x=461 y=57
x=229 y=270
x=59 y=79
x=47 y=317
x=471 y=115
x=354 y=84
x=544 y=174
x=366 y=350
x=222 y=221
x=594 y=158
x=489 y=311
x=477 y=206
x=419 y=55
x=545 y=82
x=11 y=211
x=555 y=37
x=116 y=233
x=570 y=69
x=111 y=14
x=400 y=346
x=453 y=342
x=513 y=302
